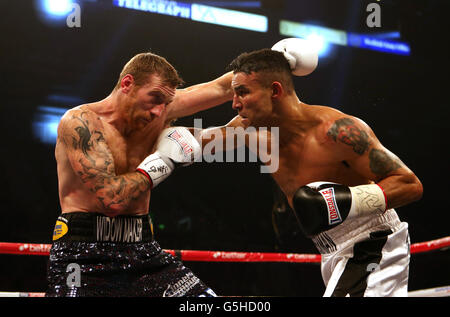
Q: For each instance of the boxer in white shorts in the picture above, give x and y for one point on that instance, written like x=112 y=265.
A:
x=366 y=257
x=349 y=213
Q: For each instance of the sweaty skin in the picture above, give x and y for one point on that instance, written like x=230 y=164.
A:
x=99 y=145
x=318 y=143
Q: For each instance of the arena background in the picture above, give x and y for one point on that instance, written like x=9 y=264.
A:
x=223 y=206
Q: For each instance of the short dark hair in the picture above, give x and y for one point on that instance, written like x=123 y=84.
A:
x=144 y=64
x=271 y=64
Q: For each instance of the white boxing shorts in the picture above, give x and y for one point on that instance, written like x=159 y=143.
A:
x=366 y=257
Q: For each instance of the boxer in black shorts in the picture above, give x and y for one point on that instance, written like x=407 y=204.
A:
x=115 y=257
x=110 y=154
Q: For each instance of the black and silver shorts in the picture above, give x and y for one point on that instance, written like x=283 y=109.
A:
x=96 y=255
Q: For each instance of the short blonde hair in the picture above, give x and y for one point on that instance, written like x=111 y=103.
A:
x=144 y=64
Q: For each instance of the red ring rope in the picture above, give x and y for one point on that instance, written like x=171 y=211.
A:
x=222 y=256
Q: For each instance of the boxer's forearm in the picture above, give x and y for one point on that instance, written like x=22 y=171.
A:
x=115 y=193
x=121 y=191
x=214 y=138
x=201 y=97
x=221 y=138
x=401 y=189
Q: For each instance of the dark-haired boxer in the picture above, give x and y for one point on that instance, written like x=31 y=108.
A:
x=349 y=214
x=110 y=154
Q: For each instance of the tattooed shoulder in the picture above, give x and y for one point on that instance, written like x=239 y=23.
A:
x=81 y=131
x=82 y=128
x=382 y=163
x=348 y=132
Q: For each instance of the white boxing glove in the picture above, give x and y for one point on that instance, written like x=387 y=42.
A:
x=175 y=146
x=301 y=55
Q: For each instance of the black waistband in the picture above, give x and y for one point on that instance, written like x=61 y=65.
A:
x=95 y=227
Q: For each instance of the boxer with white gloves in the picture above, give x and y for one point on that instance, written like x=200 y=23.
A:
x=349 y=215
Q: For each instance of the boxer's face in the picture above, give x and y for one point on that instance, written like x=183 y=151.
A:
x=148 y=102
x=251 y=100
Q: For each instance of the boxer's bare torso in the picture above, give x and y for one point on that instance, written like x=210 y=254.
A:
x=312 y=155
x=331 y=146
x=97 y=149
x=309 y=152
x=100 y=144
x=318 y=143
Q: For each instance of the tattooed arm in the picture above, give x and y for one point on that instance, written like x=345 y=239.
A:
x=357 y=145
x=81 y=134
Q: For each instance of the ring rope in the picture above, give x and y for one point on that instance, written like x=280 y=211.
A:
x=223 y=256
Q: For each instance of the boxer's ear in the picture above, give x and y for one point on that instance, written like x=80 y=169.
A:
x=277 y=89
x=126 y=83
